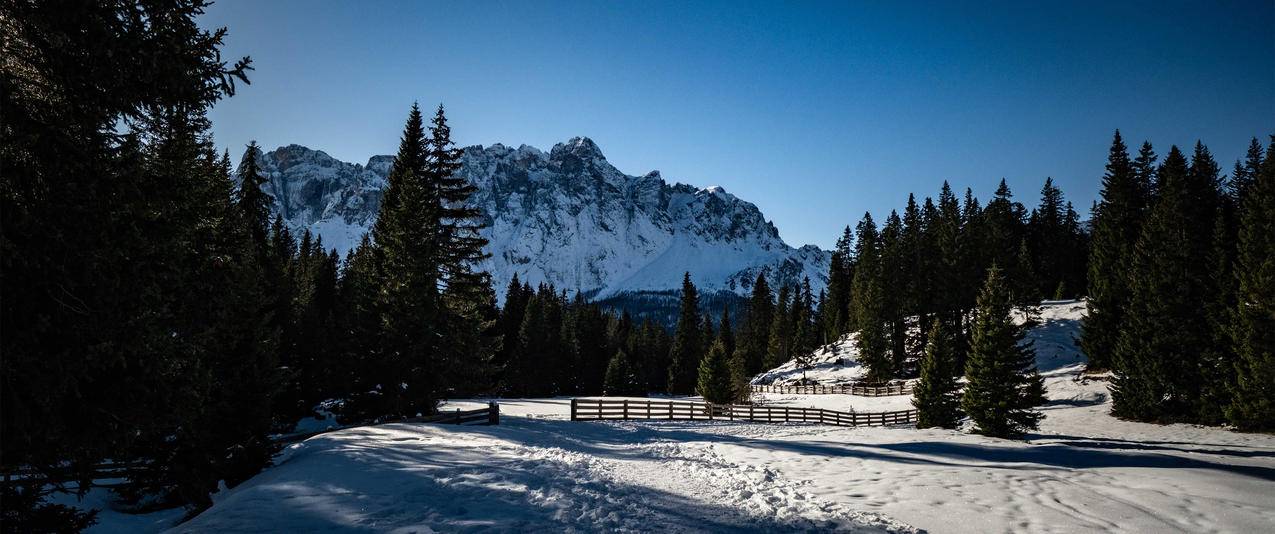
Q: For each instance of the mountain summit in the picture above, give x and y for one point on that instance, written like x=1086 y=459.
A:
x=566 y=217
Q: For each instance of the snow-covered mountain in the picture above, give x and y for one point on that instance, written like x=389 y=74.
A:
x=567 y=217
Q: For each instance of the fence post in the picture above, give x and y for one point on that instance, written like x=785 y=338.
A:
x=670 y=410
x=573 y=409
x=785 y=414
x=626 y=409
x=709 y=407
x=458 y=416
x=493 y=413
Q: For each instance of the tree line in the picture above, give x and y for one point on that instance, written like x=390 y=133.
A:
x=154 y=314
x=889 y=284
x=1182 y=286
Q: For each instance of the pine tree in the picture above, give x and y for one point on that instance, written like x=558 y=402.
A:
x=755 y=340
x=1116 y=224
x=914 y=293
x=685 y=354
x=1157 y=356
x=621 y=380
x=869 y=304
x=714 y=378
x=937 y=395
x=1253 y=404
x=779 y=348
x=1002 y=383
x=1003 y=233
x=251 y=200
x=467 y=311
x=726 y=332
x=840 y=275
x=406 y=237
x=894 y=261
x=1050 y=242
x=945 y=280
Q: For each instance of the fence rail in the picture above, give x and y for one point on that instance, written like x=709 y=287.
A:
x=120 y=470
x=621 y=409
x=862 y=390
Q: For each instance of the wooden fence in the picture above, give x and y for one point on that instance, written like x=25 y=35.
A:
x=611 y=409
x=862 y=390
x=114 y=470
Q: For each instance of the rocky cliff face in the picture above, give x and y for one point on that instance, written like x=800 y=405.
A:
x=566 y=217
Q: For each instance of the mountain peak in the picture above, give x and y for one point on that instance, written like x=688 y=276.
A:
x=579 y=147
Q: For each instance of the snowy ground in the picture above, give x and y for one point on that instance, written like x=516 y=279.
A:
x=833 y=363
x=1083 y=471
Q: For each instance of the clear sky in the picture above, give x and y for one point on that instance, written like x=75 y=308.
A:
x=816 y=112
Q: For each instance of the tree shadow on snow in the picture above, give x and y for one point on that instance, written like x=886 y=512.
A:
x=362 y=480
x=604 y=440
x=1150 y=445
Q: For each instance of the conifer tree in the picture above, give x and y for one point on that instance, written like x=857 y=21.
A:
x=1050 y=244
x=714 y=381
x=1002 y=383
x=252 y=200
x=937 y=396
x=869 y=304
x=688 y=342
x=1253 y=403
x=779 y=349
x=913 y=277
x=1157 y=356
x=406 y=237
x=840 y=275
x=1116 y=224
x=945 y=279
x=756 y=332
x=894 y=290
x=726 y=332
x=621 y=379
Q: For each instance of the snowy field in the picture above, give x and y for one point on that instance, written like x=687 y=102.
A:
x=1083 y=471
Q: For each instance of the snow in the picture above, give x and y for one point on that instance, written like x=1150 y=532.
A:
x=1083 y=471
x=830 y=364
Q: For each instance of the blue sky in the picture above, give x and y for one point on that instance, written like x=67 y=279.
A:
x=814 y=111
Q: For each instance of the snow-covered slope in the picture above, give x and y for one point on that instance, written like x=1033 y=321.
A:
x=1053 y=337
x=566 y=217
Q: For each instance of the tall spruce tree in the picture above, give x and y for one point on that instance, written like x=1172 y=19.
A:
x=467 y=311
x=406 y=238
x=779 y=348
x=937 y=396
x=1002 y=383
x=894 y=261
x=1116 y=224
x=836 y=317
x=755 y=341
x=714 y=381
x=252 y=200
x=868 y=300
x=621 y=378
x=1165 y=331
x=1253 y=404
x=688 y=343
x=726 y=332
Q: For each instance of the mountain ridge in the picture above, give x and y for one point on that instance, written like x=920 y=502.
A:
x=565 y=217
